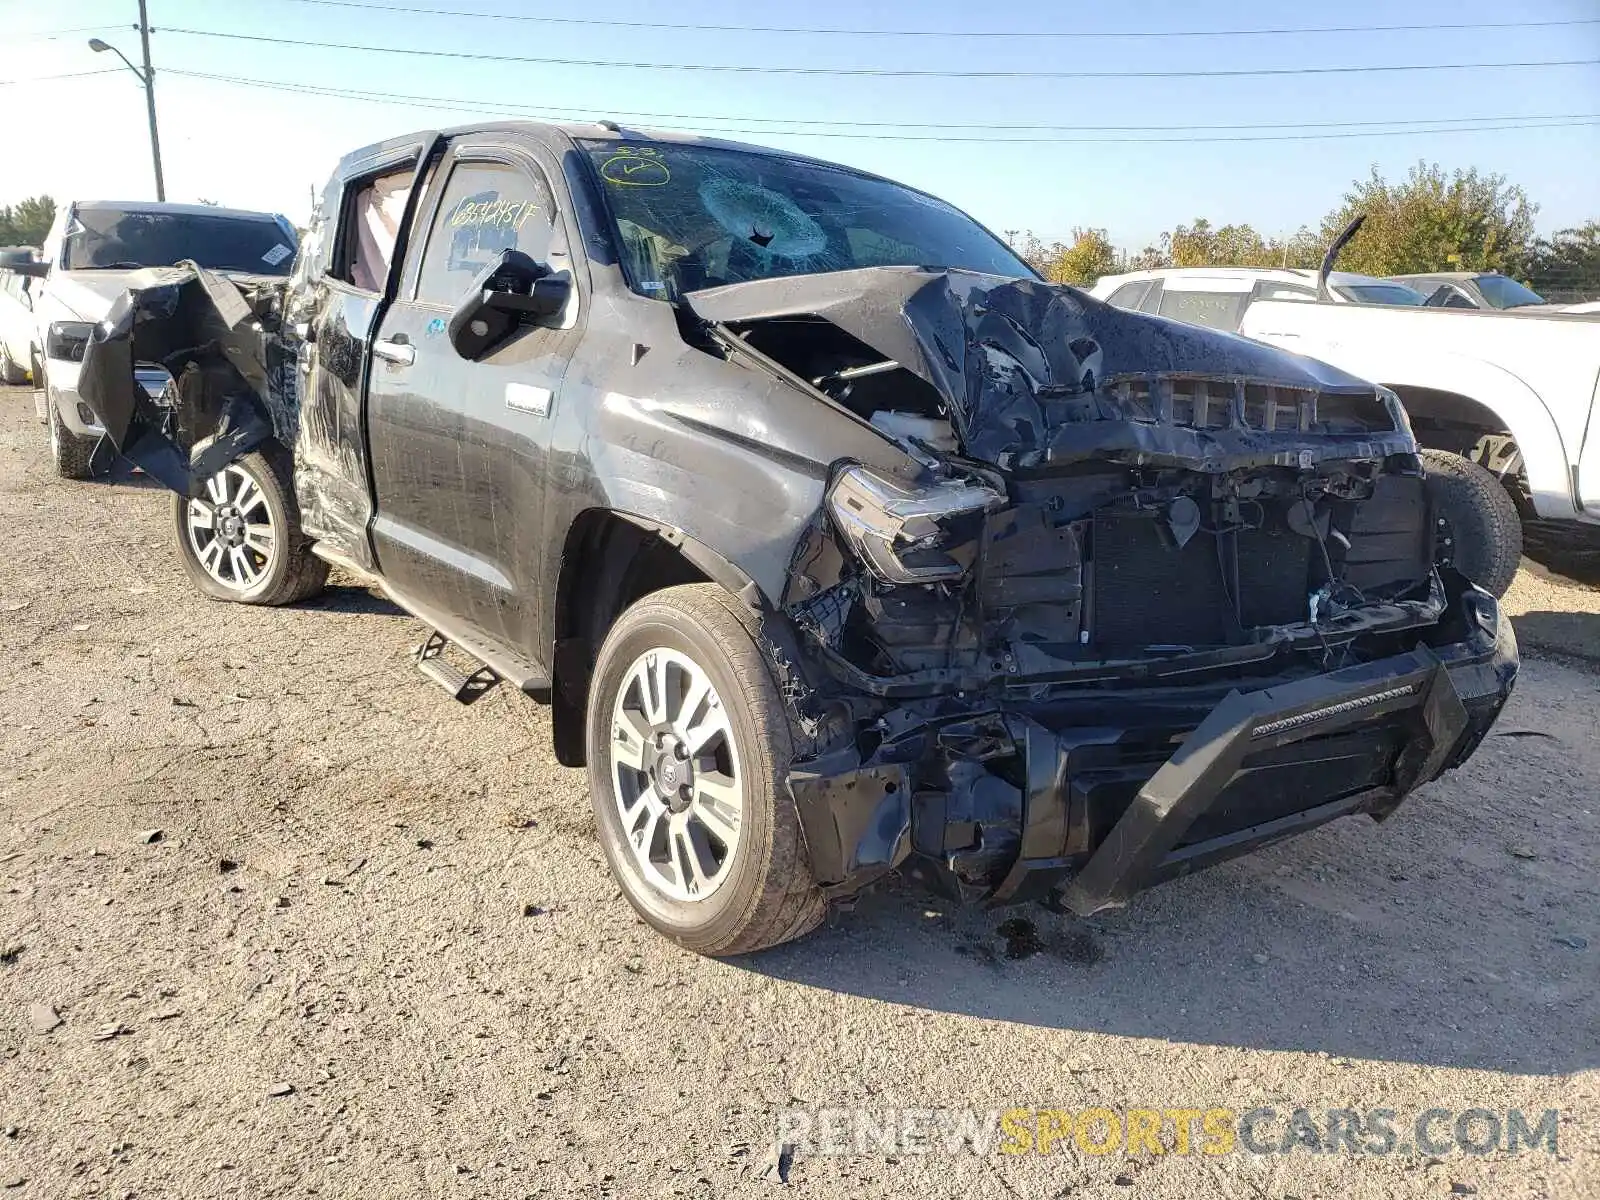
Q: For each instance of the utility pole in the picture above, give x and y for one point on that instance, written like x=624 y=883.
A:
x=150 y=99
x=148 y=78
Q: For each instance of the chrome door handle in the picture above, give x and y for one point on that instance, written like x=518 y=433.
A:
x=401 y=353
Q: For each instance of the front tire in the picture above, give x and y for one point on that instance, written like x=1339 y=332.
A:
x=1481 y=520
x=241 y=540
x=73 y=456
x=689 y=745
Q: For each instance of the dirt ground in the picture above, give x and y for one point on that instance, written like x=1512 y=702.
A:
x=375 y=951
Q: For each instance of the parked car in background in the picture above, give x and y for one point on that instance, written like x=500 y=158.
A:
x=1217 y=296
x=1502 y=403
x=1482 y=289
x=91 y=255
x=18 y=340
x=839 y=542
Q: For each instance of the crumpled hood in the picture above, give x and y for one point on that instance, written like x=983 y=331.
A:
x=88 y=295
x=1016 y=360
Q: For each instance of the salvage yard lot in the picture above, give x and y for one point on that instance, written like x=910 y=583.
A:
x=375 y=950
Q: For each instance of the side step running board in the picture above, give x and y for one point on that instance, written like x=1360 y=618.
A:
x=464 y=686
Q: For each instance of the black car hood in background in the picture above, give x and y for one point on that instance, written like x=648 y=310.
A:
x=1018 y=360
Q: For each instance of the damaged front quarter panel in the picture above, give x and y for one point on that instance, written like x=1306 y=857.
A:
x=233 y=372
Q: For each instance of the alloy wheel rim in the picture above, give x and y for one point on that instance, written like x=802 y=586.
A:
x=231 y=530
x=676 y=775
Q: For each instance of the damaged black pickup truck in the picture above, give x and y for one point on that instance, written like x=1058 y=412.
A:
x=839 y=542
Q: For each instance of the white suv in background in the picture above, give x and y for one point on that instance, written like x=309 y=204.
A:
x=1218 y=296
x=91 y=255
x=18 y=342
x=1505 y=405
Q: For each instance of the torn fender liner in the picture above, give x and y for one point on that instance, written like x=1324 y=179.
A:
x=1033 y=372
x=233 y=377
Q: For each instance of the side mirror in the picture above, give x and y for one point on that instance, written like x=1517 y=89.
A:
x=29 y=267
x=512 y=292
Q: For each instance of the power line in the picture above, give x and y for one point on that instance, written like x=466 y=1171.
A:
x=897 y=72
x=941 y=33
x=464 y=105
x=68 y=75
x=572 y=112
x=47 y=34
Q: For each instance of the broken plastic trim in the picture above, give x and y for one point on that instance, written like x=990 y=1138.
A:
x=232 y=380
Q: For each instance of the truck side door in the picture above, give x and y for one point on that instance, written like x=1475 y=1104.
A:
x=458 y=446
x=347 y=270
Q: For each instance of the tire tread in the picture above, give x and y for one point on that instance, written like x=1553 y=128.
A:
x=1483 y=518
x=789 y=903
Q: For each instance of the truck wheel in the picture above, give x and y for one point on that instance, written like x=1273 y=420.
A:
x=1480 y=520
x=72 y=455
x=240 y=539
x=689 y=746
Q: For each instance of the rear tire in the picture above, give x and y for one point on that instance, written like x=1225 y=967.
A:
x=72 y=455
x=1480 y=517
x=241 y=540
x=760 y=891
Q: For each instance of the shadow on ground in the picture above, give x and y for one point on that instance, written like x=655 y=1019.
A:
x=1575 y=633
x=354 y=599
x=1564 y=547
x=1432 y=940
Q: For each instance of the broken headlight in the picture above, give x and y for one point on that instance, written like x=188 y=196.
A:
x=909 y=535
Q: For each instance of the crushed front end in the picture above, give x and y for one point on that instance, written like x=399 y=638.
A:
x=1162 y=595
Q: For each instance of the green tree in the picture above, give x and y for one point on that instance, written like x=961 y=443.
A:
x=26 y=222
x=1566 y=267
x=1433 y=221
x=1089 y=256
x=1201 y=245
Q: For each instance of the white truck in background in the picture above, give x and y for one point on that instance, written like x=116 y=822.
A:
x=1504 y=403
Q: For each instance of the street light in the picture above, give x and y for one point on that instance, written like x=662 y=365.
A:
x=147 y=77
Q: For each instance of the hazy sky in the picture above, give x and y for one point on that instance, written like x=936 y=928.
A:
x=256 y=147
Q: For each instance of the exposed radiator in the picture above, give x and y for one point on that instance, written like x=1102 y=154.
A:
x=1149 y=592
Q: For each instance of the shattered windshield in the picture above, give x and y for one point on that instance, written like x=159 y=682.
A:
x=1501 y=292
x=108 y=237
x=691 y=217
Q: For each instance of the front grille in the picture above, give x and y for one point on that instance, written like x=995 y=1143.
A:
x=1198 y=403
x=1218 y=404
x=1150 y=592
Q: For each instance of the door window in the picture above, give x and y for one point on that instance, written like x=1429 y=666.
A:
x=1130 y=295
x=1450 y=297
x=486 y=208
x=1283 y=291
x=380 y=206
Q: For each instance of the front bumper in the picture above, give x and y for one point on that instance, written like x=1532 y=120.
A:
x=1085 y=799
x=61 y=390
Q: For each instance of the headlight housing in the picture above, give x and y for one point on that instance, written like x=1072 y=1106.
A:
x=903 y=535
x=67 y=340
